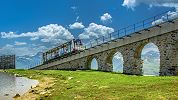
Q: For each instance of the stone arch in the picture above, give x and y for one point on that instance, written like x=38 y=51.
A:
x=89 y=61
x=111 y=55
x=138 y=56
x=139 y=49
x=151 y=60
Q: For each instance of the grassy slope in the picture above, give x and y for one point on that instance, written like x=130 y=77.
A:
x=103 y=86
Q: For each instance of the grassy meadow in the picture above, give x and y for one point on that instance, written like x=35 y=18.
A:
x=94 y=85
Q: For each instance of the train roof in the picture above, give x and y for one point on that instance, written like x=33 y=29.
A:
x=60 y=46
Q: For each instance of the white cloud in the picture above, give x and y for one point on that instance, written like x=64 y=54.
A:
x=77 y=25
x=173 y=14
x=95 y=30
x=21 y=51
x=84 y=36
x=52 y=33
x=106 y=18
x=7 y=49
x=159 y=21
x=164 y=3
x=34 y=38
x=150 y=47
x=118 y=56
x=170 y=15
x=20 y=43
x=9 y=35
x=129 y=3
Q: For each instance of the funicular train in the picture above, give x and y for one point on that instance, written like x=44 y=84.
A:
x=72 y=47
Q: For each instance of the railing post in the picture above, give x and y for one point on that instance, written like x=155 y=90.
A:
x=110 y=36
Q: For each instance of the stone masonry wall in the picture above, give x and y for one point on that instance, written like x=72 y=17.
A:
x=133 y=64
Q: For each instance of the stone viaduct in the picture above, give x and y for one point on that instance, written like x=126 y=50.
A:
x=164 y=36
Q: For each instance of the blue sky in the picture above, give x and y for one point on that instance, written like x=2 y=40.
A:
x=28 y=27
x=25 y=16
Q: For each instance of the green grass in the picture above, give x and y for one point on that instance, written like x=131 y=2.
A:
x=93 y=85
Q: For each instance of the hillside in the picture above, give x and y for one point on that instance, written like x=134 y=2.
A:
x=90 y=85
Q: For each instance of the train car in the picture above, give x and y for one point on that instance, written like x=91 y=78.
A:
x=72 y=47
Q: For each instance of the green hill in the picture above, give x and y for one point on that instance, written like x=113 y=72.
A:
x=93 y=85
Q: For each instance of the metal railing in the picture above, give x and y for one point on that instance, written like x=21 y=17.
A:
x=134 y=28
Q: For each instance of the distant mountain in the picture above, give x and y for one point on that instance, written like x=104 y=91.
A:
x=24 y=62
